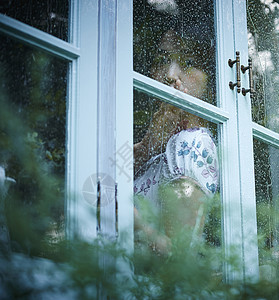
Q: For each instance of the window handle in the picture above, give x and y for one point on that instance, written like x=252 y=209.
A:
x=116 y=211
x=244 y=69
x=238 y=81
x=98 y=212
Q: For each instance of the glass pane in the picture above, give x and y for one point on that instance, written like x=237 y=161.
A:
x=267 y=192
x=174 y=43
x=32 y=144
x=263 y=34
x=176 y=179
x=50 y=16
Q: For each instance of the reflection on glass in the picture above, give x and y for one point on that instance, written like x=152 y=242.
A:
x=177 y=39
x=50 y=16
x=263 y=34
x=266 y=160
x=176 y=178
x=32 y=143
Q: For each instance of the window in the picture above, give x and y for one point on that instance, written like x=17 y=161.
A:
x=228 y=109
x=215 y=107
x=33 y=140
x=176 y=160
x=263 y=50
x=105 y=62
x=49 y=80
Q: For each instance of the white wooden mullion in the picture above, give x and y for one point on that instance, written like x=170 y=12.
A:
x=229 y=168
x=124 y=119
x=71 y=154
x=245 y=144
x=106 y=161
x=266 y=135
x=71 y=199
x=83 y=128
x=74 y=23
x=180 y=99
x=35 y=37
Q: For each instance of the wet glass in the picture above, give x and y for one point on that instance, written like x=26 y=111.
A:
x=263 y=35
x=51 y=16
x=177 y=39
x=176 y=180
x=33 y=92
x=266 y=159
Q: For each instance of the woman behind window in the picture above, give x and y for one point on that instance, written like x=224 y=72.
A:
x=176 y=163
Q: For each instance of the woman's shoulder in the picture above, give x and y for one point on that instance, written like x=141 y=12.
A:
x=192 y=132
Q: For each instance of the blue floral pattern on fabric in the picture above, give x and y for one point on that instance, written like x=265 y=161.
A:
x=145 y=186
x=188 y=153
x=203 y=160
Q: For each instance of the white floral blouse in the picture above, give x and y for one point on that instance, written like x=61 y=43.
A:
x=189 y=153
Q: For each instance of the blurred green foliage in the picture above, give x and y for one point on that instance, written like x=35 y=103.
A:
x=32 y=145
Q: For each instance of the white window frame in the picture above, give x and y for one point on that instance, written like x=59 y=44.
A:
x=81 y=139
x=237 y=175
x=225 y=115
x=124 y=118
x=247 y=130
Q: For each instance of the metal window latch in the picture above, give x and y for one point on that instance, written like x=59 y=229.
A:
x=116 y=212
x=98 y=212
x=244 y=69
x=238 y=80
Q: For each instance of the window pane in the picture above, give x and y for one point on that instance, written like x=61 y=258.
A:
x=267 y=191
x=176 y=178
x=174 y=43
x=263 y=34
x=32 y=144
x=50 y=16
